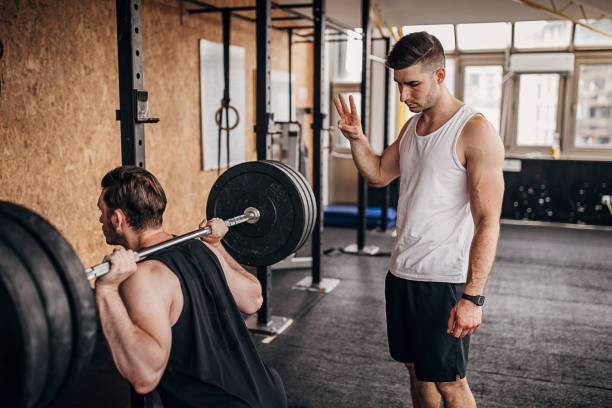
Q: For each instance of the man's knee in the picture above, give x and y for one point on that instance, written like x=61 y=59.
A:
x=452 y=388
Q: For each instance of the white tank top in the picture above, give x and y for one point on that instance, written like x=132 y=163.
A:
x=434 y=221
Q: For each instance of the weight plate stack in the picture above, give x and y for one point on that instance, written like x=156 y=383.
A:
x=24 y=341
x=76 y=286
x=310 y=203
x=54 y=301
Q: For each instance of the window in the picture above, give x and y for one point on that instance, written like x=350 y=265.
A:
x=482 y=89
x=542 y=34
x=443 y=32
x=483 y=36
x=586 y=37
x=537 y=110
x=594 y=106
x=348 y=66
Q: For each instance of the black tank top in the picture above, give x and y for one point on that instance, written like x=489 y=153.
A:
x=213 y=361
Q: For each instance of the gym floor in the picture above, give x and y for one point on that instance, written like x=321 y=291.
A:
x=544 y=342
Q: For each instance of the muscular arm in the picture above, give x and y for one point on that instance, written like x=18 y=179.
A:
x=135 y=319
x=378 y=170
x=245 y=287
x=484 y=157
x=484 y=153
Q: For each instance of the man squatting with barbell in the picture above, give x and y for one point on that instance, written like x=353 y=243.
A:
x=449 y=159
x=173 y=321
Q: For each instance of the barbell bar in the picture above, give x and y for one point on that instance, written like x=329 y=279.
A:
x=250 y=215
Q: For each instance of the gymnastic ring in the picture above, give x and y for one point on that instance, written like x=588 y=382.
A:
x=218 y=114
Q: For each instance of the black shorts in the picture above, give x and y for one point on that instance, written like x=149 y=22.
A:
x=417 y=319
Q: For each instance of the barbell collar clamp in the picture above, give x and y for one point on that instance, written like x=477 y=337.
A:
x=251 y=215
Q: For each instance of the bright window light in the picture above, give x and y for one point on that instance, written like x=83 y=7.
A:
x=537 y=110
x=483 y=36
x=542 y=34
x=594 y=107
x=586 y=37
x=482 y=90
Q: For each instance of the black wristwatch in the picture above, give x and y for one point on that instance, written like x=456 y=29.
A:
x=478 y=300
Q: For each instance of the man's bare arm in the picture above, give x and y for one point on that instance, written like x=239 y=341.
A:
x=135 y=320
x=378 y=170
x=484 y=154
x=245 y=288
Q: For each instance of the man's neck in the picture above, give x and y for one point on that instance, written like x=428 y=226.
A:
x=444 y=108
x=146 y=238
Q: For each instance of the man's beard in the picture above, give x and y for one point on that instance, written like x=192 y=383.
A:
x=112 y=238
x=430 y=100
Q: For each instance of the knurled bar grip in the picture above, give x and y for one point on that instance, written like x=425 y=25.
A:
x=250 y=215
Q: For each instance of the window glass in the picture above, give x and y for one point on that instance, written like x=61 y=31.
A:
x=348 y=60
x=594 y=107
x=542 y=34
x=585 y=37
x=483 y=89
x=443 y=32
x=483 y=36
x=537 y=110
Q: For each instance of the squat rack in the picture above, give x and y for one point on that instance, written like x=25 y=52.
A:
x=133 y=112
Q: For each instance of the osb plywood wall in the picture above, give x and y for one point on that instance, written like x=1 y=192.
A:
x=59 y=93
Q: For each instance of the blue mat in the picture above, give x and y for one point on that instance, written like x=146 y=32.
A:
x=346 y=216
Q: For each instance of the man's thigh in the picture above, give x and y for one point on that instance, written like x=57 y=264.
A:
x=417 y=317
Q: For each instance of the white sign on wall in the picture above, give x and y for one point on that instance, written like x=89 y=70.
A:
x=211 y=93
x=279 y=95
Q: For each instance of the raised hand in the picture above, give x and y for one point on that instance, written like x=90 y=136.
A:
x=349 y=123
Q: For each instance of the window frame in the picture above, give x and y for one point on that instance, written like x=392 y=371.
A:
x=480 y=59
x=512 y=146
x=569 y=150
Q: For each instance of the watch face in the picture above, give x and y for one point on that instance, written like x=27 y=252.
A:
x=480 y=300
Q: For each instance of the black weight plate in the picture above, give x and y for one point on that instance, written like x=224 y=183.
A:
x=312 y=206
x=54 y=300
x=24 y=336
x=76 y=285
x=305 y=199
x=312 y=203
x=275 y=195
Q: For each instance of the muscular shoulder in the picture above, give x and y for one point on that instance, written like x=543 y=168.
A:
x=153 y=279
x=479 y=139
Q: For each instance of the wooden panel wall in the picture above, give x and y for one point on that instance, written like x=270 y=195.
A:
x=59 y=93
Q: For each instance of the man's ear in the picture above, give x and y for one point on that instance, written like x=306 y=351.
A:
x=440 y=75
x=118 y=220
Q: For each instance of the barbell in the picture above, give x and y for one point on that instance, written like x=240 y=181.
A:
x=49 y=324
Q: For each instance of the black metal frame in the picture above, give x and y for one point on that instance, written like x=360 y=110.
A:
x=262 y=128
x=362 y=189
x=317 y=134
x=133 y=112
x=129 y=45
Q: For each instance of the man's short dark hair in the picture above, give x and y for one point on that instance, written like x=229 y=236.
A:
x=416 y=48
x=138 y=193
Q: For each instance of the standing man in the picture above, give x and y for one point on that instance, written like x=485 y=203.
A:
x=173 y=321
x=449 y=159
